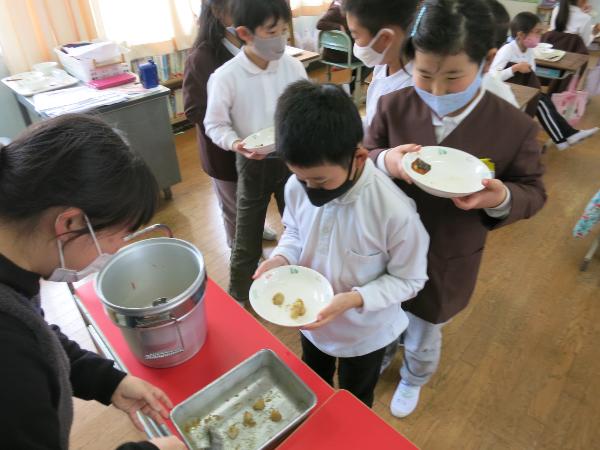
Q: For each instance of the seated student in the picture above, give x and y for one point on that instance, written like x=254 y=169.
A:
x=348 y=221
x=515 y=62
x=378 y=28
x=449 y=45
x=569 y=17
x=242 y=96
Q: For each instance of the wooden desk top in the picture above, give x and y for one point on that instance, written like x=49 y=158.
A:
x=523 y=94
x=306 y=57
x=571 y=62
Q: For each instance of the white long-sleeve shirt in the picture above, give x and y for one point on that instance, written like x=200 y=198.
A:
x=579 y=23
x=382 y=84
x=370 y=240
x=242 y=97
x=511 y=53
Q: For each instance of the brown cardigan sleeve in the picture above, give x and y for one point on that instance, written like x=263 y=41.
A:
x=377 y=139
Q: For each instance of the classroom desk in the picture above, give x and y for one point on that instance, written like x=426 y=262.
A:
x=571 y=62
x=307 y=57
x=523 y=94
x=146 y=124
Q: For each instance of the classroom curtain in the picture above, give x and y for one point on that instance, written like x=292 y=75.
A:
x=309 y=7
x=147 y=27
x=30 y=29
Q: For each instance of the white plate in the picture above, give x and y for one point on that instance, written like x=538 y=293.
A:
x=293 y=282
x=453 y=173
x=544 y=46
x=261 y=142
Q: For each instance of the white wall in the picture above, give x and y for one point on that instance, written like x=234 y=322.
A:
x=514 y=7
x=11 y=122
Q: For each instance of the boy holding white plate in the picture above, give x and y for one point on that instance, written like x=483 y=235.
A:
x=242 y=95
x=348 y=221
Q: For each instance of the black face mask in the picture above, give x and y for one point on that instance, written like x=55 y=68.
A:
x=319 y=196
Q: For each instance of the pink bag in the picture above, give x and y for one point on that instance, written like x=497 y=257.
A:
x=571 y=103
x=592 y=82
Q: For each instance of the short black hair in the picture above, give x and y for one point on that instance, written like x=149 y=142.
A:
x=75 y=161
x=501 y=22
x=316 y=124
x=255 y=13
x=449 y=27
x=377 y=14
x=524 y=22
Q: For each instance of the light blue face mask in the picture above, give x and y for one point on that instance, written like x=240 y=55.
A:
x=442 y=105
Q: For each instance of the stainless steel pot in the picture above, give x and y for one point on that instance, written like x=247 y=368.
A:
x=154 y=291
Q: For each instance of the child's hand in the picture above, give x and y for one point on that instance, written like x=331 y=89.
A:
x=393 y=160
x=271 y=263
x=493 y=195
x=521 y=67
x=339 y=304
x=238 y=146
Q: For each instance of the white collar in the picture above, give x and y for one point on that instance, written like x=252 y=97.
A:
x=437 y=122
x=355 y=190
x=253 y=68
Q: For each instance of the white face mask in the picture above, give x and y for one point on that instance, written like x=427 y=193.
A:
x=270 y=49
x=62 y=274
x=367 y=54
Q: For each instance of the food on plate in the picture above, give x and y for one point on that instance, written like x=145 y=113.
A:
x=259 y=405
x=233 y=432
x=278 y=299
x=420 y=166
x=248 y=419
x=298 y=308
x=191 y=424
x=275 y=415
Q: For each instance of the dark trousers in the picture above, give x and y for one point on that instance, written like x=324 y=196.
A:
x=358 y=375
x=257 y=181
x=553 y=123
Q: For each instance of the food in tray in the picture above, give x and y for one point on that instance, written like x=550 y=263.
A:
x=298 y=309
x=233 y=431
x=420 y=166
x=278 y=299
x=192 y=424
x=275 y=415
x=248 y=419
x=259 y=405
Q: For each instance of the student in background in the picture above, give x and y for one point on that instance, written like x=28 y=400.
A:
x=569 y=17
x=216 y=44
x=515 y=62
x=242 y=96
x=450 y=43
x=348 y=221
x=378 y=28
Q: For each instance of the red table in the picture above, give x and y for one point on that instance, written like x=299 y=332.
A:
x=344 y=422
x=233 y=335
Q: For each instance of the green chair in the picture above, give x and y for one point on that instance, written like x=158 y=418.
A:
x=340 y=41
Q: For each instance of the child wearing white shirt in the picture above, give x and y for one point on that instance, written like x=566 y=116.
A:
x=348 y=221
x=378 y=28
x=242 y=96
x=569 y=17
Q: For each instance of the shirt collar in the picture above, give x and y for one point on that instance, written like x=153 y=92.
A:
x=27 y=283
x=437 y=122
x=354 y=192
x=252 y=68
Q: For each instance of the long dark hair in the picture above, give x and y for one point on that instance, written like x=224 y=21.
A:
x=562 y=18
x=210 y=28
x=448 y=27
x=75 y=161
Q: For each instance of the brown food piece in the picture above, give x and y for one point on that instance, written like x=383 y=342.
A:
x=248 y=420
x=191 y=424
x=298 y=309
x=233 y=432
x=259 y=405
x=278 y=299
x=420 y=166
x=275 y=415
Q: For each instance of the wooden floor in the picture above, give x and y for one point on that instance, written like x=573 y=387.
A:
x=520 y=367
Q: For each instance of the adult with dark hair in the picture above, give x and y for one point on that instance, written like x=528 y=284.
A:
x=569 y=17
x=216 y=44
x=450 y=43
x=70 y=191
x=348 y=221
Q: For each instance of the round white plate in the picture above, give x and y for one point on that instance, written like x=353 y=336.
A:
x=293 y=282
x=544 y=46
x=453 y=173
x=261 y=142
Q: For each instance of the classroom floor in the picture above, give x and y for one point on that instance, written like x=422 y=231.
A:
x=520 y=367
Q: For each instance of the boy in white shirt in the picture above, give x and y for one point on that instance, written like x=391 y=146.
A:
x=348 y=221
x=242 y=96
x=378 y=28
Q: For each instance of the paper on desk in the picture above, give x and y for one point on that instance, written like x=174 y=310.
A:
x=293 y=51
x=77 y=99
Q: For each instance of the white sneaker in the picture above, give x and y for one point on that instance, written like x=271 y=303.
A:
x=269 y=234
x=405 y=399
x=562 y=146
x=581 y=135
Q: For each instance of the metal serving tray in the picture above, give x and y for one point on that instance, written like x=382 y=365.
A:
x=205 y=419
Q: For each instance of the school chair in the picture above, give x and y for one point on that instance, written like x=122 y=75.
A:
x=340 y=41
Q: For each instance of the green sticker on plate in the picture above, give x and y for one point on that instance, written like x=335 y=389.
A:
x=293 y=270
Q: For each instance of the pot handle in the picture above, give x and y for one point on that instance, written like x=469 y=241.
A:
x=166 y=353
x=150 y=229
